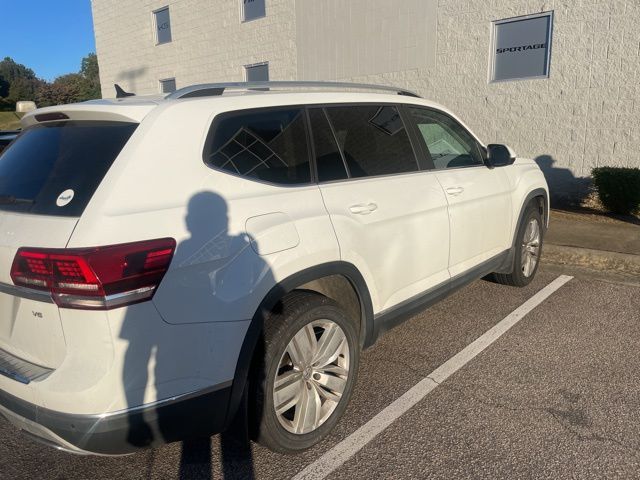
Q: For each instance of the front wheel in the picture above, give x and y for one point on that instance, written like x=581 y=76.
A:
x=528 y=249
x=306 y=374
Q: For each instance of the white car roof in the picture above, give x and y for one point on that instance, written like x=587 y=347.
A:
x=135 y=108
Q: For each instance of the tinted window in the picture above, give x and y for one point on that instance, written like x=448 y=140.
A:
x=373 y=140
x=163 y=26
x=49 y=159
x=168 y=85
x=328 y=157
x=257 y=73
x=269 y=145
x=449 y=144
x=252 y=9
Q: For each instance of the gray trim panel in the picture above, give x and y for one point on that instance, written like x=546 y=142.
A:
x=28 y=293
x=200 y=413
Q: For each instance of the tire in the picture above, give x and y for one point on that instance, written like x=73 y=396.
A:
x=528 y=248
x=323 y=392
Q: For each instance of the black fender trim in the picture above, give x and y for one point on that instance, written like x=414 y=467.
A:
x=507 y=266
x=271 y=300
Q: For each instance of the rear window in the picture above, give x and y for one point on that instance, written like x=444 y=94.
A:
x=54 y=168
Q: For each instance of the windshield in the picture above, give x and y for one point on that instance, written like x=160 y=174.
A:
x=54 y=168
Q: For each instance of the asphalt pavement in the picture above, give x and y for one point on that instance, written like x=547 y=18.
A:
x=557 y=396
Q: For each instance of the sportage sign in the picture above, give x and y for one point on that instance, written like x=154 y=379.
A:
x=521 y=49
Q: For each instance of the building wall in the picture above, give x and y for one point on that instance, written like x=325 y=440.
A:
x=338 y=38
x=209 y=42
x=586 y=114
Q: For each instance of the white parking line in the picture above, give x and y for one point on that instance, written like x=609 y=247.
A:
x=348 y=447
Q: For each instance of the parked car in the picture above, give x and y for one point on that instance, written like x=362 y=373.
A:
x=6 y=137
x=168 y=263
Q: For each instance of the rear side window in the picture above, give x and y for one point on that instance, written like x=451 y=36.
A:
x=373 y=140
x=267 y=145
x=55 y=168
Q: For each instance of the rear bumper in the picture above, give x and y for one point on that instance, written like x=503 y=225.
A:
x=118 y=433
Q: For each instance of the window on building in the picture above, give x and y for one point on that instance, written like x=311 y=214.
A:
x=449 y=144
x=373 y=140
x=163 y=25
x=521 y=47
x=329 y=160
x=257 y=73
x=168 y=85
x=268 y=145
x=252 y=9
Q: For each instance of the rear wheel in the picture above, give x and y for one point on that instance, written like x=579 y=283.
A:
x=528 y=249
x=307 y=372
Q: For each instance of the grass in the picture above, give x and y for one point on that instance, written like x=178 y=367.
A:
x=10 y=120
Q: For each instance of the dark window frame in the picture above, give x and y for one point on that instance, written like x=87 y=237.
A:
x=422 y=144
x=248 y=111
x=421 y=154
x=316 y=173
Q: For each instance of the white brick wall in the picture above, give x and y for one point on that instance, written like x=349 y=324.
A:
x=209 y=42
x=586 y=114
x=338 y=38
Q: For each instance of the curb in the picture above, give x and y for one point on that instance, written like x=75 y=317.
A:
x=595 y=259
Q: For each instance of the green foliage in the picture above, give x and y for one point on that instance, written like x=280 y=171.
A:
x=10 y=70
x=17 y=82
x=618 y=188
x=23 y=89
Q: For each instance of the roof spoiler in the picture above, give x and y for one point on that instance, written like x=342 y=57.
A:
x=120 y=93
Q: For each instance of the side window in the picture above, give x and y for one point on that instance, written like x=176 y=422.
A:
x=329 y=160
x=373 y=140
x=269 y=145
x=449 y=144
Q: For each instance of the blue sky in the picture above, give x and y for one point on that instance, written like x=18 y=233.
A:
x=48 y=36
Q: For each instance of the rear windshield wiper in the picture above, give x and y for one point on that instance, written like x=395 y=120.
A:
x=11 y=200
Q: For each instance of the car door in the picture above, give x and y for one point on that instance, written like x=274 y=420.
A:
x=390 y=218
x=478 y=197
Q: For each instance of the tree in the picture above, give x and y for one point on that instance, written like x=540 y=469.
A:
x=64 y=89
x=10 y=70
x=23 y=89
x=17 y=82
x=91 y=73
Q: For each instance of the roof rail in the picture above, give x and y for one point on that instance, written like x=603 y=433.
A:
x=214 y=89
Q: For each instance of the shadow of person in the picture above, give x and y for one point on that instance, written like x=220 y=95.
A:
x=220 y=266
x=565 y=188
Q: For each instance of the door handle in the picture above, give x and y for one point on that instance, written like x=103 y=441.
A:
x=363 y=208
x=455 y=190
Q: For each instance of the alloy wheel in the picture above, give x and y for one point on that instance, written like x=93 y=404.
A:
x=311 y=377
x=530 y=248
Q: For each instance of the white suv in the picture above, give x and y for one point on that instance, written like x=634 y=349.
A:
x=167 y=260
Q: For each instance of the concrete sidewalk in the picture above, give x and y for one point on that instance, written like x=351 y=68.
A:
x=593 y=241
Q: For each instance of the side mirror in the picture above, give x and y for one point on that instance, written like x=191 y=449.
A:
x=499 y=155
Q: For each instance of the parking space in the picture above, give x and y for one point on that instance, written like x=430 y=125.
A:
x=555 y=396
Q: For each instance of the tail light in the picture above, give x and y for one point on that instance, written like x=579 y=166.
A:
x=98 y=278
